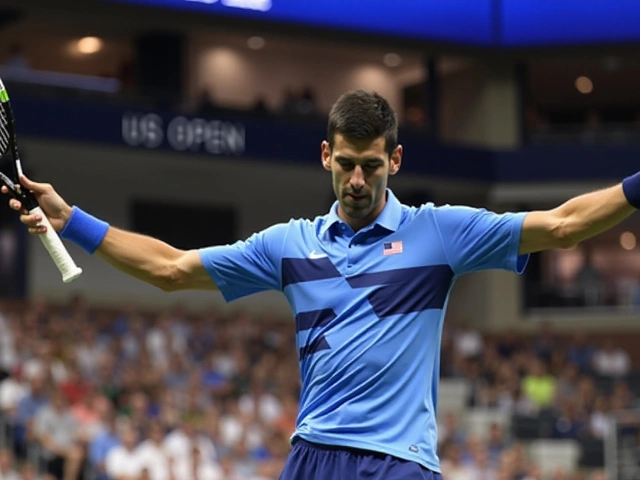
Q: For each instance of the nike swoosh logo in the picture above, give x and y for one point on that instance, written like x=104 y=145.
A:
x=313 y=255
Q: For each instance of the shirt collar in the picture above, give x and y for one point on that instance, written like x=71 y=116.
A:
x=389 y=218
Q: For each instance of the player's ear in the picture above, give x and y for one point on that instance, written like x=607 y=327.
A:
x=326 y=155
x=395 y=160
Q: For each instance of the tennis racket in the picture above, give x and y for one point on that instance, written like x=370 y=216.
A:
x=9 y=146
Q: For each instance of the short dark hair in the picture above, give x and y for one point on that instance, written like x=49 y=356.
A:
x=362 y=115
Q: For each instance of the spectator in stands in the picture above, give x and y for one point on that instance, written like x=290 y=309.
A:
x=74 y=387
x=581 y=352
x=259 y=401
x=538 y=386
x=587 y=393
x=7 y=471
x=599 y=419
x=89 y=351
x=544 y=344
x=622 y=398
x=238 y=427
x=495 y=443
x=12 y=390
x=150 y=453
x=137 y=412
x=450 y=431
x=285 y=422
x=570 y=424
x=8 y=256
x=508 y=345
x=197 y=467
x=467 y=342
x=177 y=444
x=92 y=415
x=599 y=475
x=611 y=361
x=589 y=280
x=260 y=407
x=567 y=383
x=56 y=430
x=452 y=466
x=27 y=409
x=482 y=468
x=558 y=361
x=533 y=473
x=44 y=363
x=102 y=443
x=512 y=464
x=121 y=462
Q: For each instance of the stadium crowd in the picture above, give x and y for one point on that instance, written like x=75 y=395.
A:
x=128 y=395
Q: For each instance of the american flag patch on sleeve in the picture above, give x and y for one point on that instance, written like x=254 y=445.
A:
x=392 y=248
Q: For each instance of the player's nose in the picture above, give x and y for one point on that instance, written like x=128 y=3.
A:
x=357 y=178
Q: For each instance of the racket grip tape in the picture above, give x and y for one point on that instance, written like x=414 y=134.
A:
x=58 y=252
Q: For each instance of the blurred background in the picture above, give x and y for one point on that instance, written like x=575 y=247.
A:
x=200 y=122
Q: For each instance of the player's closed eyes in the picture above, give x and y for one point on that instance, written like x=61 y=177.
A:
x=369 y=167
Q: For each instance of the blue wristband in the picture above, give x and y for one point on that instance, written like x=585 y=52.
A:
x=631 y=189
x=84 y=230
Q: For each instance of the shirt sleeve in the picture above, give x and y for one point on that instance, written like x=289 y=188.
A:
x=476 y=239
x=247 y=266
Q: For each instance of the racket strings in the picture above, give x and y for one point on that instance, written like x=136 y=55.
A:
x=5 y=136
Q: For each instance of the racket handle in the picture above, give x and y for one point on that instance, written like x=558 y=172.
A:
x=58 y=252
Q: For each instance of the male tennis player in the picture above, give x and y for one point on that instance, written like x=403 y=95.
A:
x=368 y=283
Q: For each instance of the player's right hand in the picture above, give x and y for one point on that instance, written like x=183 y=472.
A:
x=54 y=207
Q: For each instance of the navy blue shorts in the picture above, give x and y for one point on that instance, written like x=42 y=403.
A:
x=310 y=461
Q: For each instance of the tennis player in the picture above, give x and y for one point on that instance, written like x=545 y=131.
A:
x=368 y=283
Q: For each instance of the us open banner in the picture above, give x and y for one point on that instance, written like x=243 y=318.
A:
x=215 y=137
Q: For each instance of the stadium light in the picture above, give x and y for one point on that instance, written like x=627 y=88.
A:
x=584 y=85
x=628 y=241
x=89 y=45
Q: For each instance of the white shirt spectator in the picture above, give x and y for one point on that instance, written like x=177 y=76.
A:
x=11 y=392
x=7 y=471
x=205 y=471
x=89 y=357
x=232 y=431
x=452 y=471
x=178 y=445
x=269 y=407
x=611 y=361
x=151 y=456
x=467 y=343
x=224 y=364
x=121 y=462
x=599 y=424
x=8 y=354
x=37 y=368
x=159 y=341
x=10 y=475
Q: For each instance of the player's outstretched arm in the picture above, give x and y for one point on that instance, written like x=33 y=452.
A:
x=579 y=218
x=140 y=256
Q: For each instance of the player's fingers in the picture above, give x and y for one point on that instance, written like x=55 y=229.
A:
x=37 y=230
x=15 y=204
x=5 y=189
x=30 y=220
x=33 y=186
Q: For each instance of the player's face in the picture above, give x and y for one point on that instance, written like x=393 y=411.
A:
x=360 y=172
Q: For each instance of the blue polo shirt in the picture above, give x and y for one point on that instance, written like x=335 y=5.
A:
x=369 y=307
